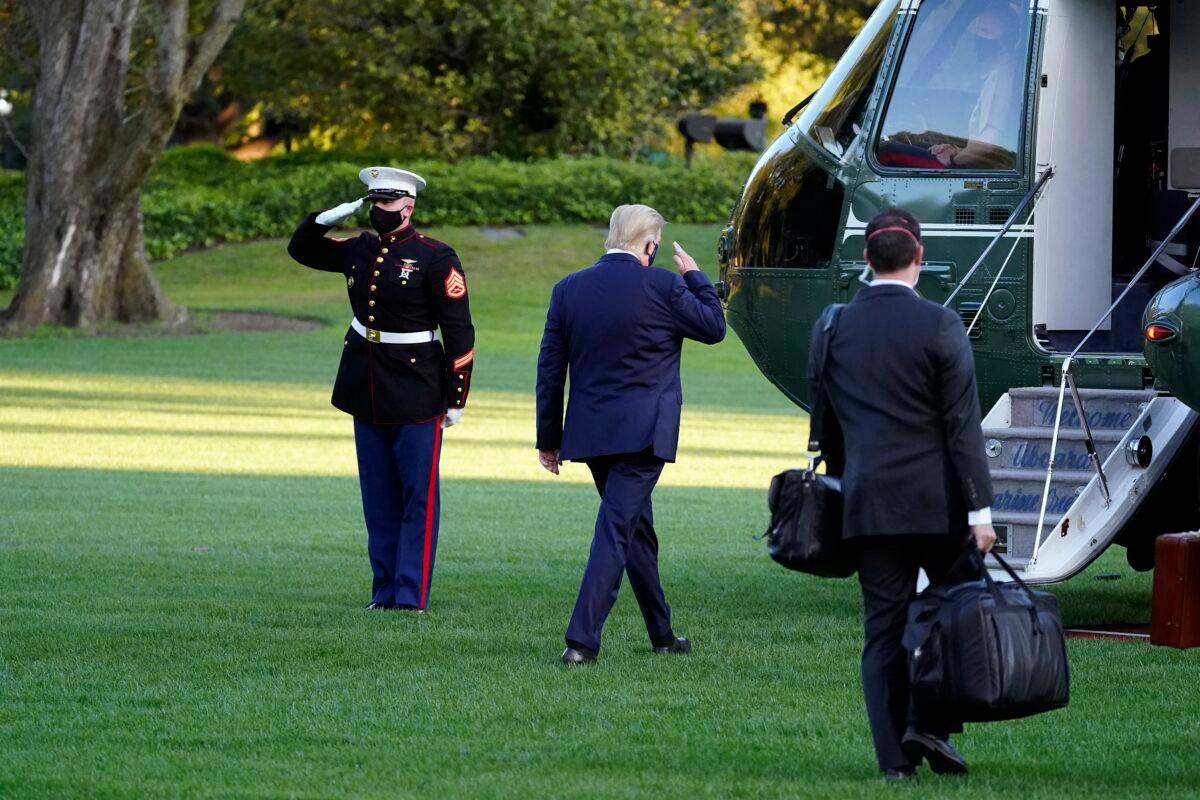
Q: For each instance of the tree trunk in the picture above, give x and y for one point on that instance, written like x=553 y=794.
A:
x=85 y=264
x=93 y=146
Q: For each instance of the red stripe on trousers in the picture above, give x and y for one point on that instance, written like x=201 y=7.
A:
x=429 y=503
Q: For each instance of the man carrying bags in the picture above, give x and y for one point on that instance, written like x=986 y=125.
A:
x=900 y=384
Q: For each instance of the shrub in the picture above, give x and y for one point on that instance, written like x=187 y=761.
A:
x=199 y=196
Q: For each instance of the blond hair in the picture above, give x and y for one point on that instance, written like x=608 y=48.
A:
x=631 y=226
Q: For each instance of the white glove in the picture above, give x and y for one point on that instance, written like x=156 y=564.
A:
x=453 y=415
x=340 y=213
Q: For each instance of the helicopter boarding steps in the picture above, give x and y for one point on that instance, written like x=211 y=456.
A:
x=1079 y=524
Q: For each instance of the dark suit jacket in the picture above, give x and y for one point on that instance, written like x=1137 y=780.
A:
x=901 y=389
x=618 y=328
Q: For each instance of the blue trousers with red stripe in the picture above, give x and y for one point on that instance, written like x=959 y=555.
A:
x=398 y=474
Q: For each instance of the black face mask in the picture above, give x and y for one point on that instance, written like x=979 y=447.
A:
x=653 y=253
x=387 y=221
x=987 y=49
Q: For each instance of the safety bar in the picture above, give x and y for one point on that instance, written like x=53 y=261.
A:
x=1012 y=219
x=1158 y=251
x=1089 y=442
x=1068 y=380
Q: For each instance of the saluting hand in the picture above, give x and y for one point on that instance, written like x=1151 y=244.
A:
x=338 y=214
x=550 y=460
x=683 y=262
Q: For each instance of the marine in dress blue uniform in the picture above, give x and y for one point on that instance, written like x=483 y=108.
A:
x=401 y=384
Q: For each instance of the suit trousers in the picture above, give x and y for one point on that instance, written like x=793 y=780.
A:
x=887 y=573
x=624 y=543
x=398 y=475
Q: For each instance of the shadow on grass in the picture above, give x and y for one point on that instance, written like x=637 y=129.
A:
x=187 y=632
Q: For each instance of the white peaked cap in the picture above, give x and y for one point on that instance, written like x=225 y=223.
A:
x=386 y=182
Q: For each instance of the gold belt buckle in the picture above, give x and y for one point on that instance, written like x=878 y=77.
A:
x=372 y=335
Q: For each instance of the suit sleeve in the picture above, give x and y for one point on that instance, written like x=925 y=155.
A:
x=697 y=309
x=310 y=247
x=551 y=378
x=961 y=419
x=452 y=309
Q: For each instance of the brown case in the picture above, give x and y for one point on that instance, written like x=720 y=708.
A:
x=1175 y=602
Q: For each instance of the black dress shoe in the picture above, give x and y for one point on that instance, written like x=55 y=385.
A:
x=574 y=657
x=680 y=645
x=899 y=774
x=941 y=755
x=377 y=607
x=405 y=607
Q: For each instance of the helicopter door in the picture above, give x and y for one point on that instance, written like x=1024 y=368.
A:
x=1184 y=133
x=1073 y=234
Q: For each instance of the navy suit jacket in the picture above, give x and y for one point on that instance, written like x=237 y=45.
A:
x=905 y=434
x=617 y=328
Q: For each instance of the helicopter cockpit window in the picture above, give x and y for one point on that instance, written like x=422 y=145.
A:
x=959 y=97
x=834 y=117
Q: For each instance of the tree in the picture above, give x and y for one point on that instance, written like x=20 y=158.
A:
x=512 y=77
x=110 y=80
x=821 y=28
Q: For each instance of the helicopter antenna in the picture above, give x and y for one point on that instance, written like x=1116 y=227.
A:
x=796 y=109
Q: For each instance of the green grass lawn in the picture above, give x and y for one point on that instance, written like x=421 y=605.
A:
x=182 y=570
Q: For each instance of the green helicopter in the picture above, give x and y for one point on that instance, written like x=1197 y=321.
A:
x=1052 y=151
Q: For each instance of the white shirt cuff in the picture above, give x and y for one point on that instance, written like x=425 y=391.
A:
x=981 y=517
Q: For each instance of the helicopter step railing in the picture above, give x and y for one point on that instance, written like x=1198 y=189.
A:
x=1068 y=381
x=1135 y=434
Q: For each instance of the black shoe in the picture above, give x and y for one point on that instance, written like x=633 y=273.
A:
x=680 y=645
x=574 y=657
x=899 y=774
x=941 y=755
x=377 y=607
x=405 y=607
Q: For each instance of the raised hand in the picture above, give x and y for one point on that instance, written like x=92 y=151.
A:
x=338 y=214
x=683 y=262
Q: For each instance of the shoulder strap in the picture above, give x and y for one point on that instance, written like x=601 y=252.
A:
x=819 y=396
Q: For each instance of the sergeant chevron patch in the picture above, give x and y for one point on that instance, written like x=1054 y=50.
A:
x=456 y=285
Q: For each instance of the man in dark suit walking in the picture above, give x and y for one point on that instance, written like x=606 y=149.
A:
x=617 y=328
x=901 y=382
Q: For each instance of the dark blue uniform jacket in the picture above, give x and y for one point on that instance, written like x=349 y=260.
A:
x=617 y=328
x=398 y=283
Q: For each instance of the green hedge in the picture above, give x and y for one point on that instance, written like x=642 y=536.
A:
x=199 y=196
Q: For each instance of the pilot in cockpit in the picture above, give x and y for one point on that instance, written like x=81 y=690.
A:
x=995 y=33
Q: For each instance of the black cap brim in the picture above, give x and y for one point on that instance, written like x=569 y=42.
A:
x=387 y=194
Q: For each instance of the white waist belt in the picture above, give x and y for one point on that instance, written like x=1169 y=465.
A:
x=371 y=335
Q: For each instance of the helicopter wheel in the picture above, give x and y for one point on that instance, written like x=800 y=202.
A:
x=1140 y=554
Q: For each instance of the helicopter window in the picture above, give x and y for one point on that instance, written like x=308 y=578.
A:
x=958 y=99
x=834 y=117
x=789 y=211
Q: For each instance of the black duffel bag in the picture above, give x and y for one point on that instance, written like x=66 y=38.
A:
x=806 y=523
x=981 y=651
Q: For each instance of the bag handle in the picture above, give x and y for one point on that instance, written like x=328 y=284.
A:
x=996 y=593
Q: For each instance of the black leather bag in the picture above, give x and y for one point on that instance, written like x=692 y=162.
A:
x=806 y=523
x=805 y=533
x=981 y=651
